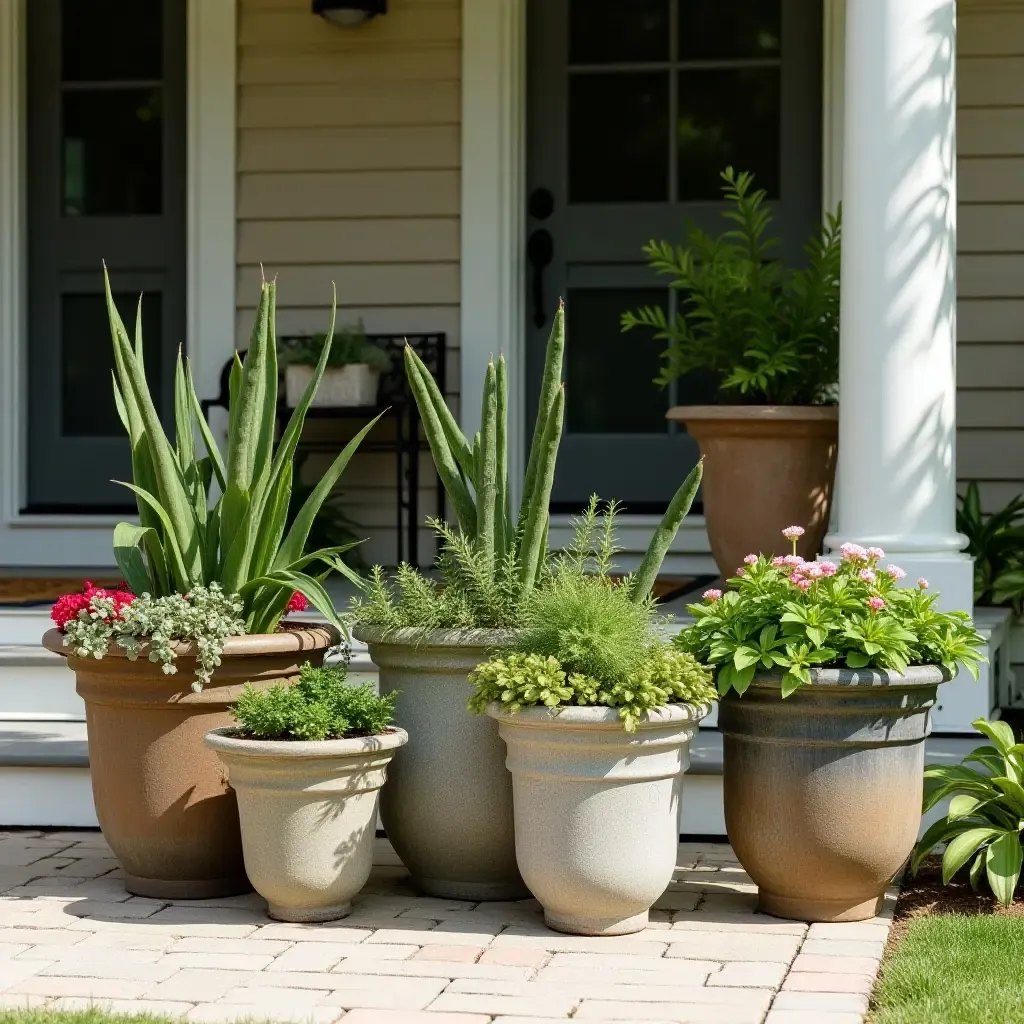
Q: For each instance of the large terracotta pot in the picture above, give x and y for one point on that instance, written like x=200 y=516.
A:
x=447 y=807
x=823 y=788
x=767 y=467
x=597 y=809
x=162 y=796
x=308 y=811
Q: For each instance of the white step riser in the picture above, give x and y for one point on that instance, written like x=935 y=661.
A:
x=44 y=797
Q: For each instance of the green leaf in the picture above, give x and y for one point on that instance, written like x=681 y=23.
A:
x=745 y=656
x=998 y=732
x=741 y=678
x=1014 y=791
x=128 y=539
x=857 y=659
x=177 y=566
x=204 y=429
x=963 y=805
x=183 y=417
x=938 y=832
x=791 y=682
x=977 y=867
x=306 y=585
x=1002 y=863
x=961 y=848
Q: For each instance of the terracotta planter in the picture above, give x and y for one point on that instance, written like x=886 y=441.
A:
x=447 y=807
x=767 y=467
x=308 y=812
x=597 y=810
x=823 y=789
x=161 y=795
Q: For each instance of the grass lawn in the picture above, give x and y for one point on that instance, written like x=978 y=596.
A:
x=44 y=1016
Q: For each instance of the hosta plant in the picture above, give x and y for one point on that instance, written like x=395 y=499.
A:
x=586 y=637
x=213 y=518
x=986 y=813
x=786 y=614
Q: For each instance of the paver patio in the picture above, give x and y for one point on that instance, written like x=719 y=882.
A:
x=71 y=936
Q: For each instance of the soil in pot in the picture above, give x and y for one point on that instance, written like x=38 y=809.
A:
x=161 y=795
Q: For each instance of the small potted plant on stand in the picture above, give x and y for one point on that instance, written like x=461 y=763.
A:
x=352 y=374
x=214 y=571
x=827 y=674
x=307 y=763
x=769 y=337
x=597 y=714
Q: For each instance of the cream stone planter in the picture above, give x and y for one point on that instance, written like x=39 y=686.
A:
x=447 y=808
x=597 y=810
x=340 y=387
x=308 y=812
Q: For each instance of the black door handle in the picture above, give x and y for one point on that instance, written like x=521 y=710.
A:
x=540 y=248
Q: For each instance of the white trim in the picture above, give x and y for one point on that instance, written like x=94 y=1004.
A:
x=84 y=541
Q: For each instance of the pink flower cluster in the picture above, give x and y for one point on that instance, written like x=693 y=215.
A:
x=67 y=606
x=712 y=595
x=296 y=603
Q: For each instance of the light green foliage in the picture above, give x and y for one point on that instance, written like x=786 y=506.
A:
x=211 y=519
x=584 y=639
x=986 y=812
x=769 y=334
x=319 y=706
x=206 y=616
x=996 y=544
x=793 y=616
x=348 y=347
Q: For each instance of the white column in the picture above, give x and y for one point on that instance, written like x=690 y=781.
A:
x=896 y=485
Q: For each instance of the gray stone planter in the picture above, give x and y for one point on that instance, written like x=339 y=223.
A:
x=308 y=812
x=447 y=808
x=823 y=788
x=597 y=810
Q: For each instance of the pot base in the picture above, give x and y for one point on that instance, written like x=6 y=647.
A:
x=309 y=915
x=571 y=924
x=477 y=892
x=187 y=889
x=819 y=911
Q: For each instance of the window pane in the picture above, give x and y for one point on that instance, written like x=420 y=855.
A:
x=618 y=134
x=610 y=385
x=87 y=361
x=111 y=40
x=728 y=118
x=601 y=31
x=112 y=151
x=738 y=28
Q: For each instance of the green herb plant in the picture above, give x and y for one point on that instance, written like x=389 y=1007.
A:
x=996 y=543
x=586 y=638
x=767 y=333
x=349 y=346
x=787 y=615
x=215 y=519
x=986 y=813
x=320 y=706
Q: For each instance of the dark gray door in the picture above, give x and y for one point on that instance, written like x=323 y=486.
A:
x=106 y=159
x=634 y=109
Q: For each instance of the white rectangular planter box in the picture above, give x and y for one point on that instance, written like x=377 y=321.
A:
x=340 y=387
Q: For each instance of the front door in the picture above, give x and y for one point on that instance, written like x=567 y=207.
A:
x=106 y=160
x=633 y=111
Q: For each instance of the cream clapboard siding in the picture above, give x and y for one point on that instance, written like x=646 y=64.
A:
x=348 y=171
x=990 y=357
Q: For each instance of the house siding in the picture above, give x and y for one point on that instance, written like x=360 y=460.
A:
x=990 y=314
x=348 y=172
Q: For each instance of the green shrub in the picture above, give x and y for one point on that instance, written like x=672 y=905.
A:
x=320 y=706
x=350 y=346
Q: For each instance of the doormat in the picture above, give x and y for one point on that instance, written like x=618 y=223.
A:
x=30 y=591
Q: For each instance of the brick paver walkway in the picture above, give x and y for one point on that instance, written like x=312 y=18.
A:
x=71 y=936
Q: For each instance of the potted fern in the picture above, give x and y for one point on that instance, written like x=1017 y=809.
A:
x=210 y=572
x=597 y=713
x=769 y=336
x=307 y=763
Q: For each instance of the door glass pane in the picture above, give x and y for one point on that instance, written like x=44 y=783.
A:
x=87 y=361
x=736 y=28
x=602 y=31
x=111 y=40
x=618 y=131
x=113 y=150
x=728 y=118
x=609 y=385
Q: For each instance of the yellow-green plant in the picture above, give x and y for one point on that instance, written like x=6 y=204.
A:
x=208 y=519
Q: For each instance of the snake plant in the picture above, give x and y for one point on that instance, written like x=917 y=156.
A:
x=210 y=519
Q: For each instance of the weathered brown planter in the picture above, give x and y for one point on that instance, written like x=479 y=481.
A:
x=161 y=794
x=767 y=467
x=823 y=788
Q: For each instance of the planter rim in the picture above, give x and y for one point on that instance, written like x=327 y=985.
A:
x=417 y=636
x=860 y=678
x=572 y=717
x=753 y=412
x=224 y=740
x=295 y=637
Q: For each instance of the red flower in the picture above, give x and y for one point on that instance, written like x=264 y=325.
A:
x=67 y=606
x=296 y=603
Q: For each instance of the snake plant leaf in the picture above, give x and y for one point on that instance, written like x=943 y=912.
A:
x=184 y=441
x=177 y=567
x=487 y=480
x=310 y=588
x=325 y=555
x=502 y=523
x=535 y=529
x=212 y=449
x=268 y=418
x=238 y=539
x=273 y=518
x=247 y=430
x=128 y=542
